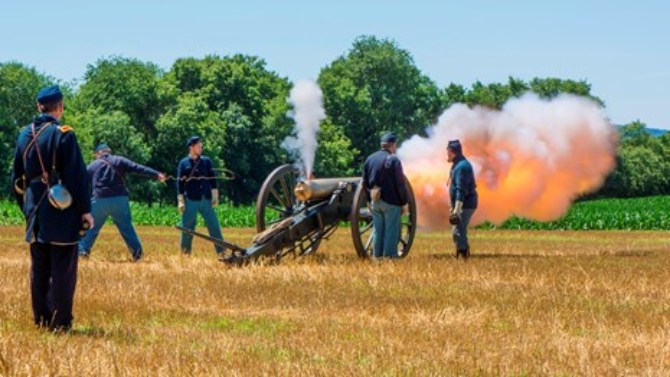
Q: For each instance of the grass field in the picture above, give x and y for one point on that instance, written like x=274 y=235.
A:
x=527 y=303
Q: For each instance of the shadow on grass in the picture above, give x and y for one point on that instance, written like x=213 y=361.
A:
x=88 y=331
x=94 y=332
x=452 y=256
x=622 y=253
x=628 y=253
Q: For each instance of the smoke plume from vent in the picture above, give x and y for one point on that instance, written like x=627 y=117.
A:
x=531 y=159
x=307 y=100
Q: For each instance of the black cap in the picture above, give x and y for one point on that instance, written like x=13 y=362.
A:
x=389 y=137
x=193 y=140
x=455 y=145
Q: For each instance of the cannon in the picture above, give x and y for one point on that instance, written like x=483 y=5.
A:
x=293 y=216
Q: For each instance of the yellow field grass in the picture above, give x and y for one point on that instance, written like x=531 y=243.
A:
x=527 y=303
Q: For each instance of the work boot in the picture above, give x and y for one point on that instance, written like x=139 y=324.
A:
x=137 y=255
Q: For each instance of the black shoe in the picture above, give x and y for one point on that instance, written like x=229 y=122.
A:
x=463 y=253
x=60 y=329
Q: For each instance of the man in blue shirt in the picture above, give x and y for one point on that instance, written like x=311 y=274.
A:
x=197 y=193
x=463 y=194
x=384 y=180
x=110 y=198
x=48 y=157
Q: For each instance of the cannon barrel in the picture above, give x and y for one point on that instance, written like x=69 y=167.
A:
x=322 y=188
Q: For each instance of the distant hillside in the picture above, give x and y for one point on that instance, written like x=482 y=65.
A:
x=656 y=132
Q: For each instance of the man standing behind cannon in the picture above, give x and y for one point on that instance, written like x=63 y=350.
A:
x=384 y=179
x=110 y=198
x=197 y=192
x=463 y=195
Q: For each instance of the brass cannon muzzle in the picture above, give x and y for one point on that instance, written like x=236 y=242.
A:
x=319 y=189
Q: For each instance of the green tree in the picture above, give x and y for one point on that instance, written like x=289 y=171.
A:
x=494 y=95
x=334 y=154
x=123 y=84
x=643 y=164
x=18 y=86
x=551 y=87
x=452 y=94
x=190 y=116
x=115 y=129
x=491 y=95
x=250 y=105
x=375 y=87
x=635 y=134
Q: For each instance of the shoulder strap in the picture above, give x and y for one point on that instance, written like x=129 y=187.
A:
x=34 y=143
x=193 y=169
x=381 y=176
x=123 y=181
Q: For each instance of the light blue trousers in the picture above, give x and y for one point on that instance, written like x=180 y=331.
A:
x=386 y=222
x=460 y=231
x=118 y=207
x=189 y=218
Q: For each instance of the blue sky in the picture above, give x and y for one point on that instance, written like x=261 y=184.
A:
x=621 y=47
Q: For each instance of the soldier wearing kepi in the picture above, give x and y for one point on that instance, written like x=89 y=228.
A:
x=110 y=198
x=384 y=180
x=49 y=178
x=197 y=193
x=463 y=194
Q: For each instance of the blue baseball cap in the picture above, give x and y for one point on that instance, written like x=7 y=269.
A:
x=49 y=94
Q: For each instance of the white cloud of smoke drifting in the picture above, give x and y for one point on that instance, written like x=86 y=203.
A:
x=308 y=112
x=531 y=159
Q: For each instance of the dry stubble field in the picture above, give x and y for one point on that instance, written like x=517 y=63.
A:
x=527 y=303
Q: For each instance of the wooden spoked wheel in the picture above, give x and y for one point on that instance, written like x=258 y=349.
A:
x=276 y=200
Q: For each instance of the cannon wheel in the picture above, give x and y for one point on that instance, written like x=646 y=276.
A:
x=276 y=202
x=361 y=224
x=276 y=199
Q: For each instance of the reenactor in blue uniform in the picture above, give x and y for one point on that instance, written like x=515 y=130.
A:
x=384 y=179
x=463 y=195
x=197 y=193
x=110 y=198
x=49 y=178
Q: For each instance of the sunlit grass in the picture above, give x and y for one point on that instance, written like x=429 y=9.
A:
x=527 y=303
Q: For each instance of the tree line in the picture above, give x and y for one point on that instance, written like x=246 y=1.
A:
x=240 y=109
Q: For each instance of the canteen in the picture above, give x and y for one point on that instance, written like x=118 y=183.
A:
x=60 y=197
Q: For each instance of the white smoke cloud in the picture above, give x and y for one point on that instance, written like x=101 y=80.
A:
x=308 y=112
x=531 y=159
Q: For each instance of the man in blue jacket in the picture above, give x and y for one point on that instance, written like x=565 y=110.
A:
x=197 y=193
x=110 y=198
x=463 y=194
x=48 y=157
x=383 y=174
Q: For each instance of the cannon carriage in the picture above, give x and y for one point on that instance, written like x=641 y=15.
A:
x=294 y=216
